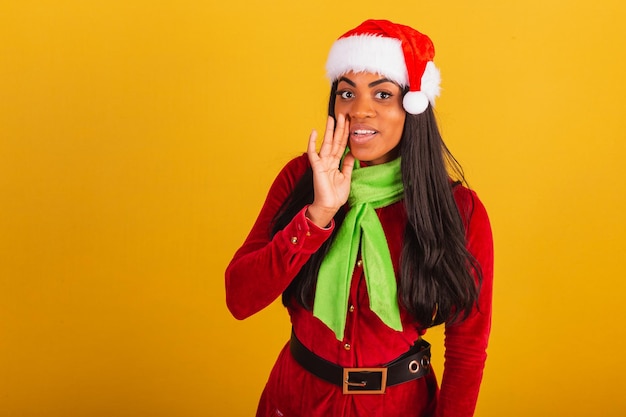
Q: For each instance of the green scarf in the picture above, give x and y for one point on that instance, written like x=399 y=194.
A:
x=371 y=188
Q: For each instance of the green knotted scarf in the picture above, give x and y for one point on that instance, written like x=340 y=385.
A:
x=371 y=188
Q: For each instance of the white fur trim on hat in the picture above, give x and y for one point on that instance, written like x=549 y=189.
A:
x=367 y=53
x=384 y=56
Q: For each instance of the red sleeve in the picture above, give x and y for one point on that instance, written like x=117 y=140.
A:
x=466 y=342
x=263 y=268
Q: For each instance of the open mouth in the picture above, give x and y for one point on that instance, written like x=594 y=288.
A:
x=362 y=135
x=364 y=132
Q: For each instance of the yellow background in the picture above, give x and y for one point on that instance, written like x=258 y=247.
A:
x=138 y=139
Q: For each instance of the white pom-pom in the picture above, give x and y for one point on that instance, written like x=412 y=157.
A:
x=415 y=102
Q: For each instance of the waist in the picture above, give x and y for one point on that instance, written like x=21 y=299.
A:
x=411 y=365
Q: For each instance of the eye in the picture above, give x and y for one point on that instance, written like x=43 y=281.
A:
x=345 y=94
x=383 y=95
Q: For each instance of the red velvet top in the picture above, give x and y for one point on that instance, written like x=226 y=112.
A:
x=261 y=270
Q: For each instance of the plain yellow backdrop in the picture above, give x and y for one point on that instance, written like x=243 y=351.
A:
x=138 y=140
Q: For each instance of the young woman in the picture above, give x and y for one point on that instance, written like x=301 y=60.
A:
x=371 y=241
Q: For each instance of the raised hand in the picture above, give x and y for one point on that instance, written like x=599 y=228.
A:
x=331 y=186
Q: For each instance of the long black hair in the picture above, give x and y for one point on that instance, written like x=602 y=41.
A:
x=439 y=279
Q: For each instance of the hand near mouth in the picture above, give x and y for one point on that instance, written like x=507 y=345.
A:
x=331 y=185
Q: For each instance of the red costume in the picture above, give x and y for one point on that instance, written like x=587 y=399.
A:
x=263 y=268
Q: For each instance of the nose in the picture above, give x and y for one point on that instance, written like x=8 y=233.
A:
x=362 y=107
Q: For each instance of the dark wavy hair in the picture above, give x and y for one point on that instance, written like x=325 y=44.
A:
x=439 y=279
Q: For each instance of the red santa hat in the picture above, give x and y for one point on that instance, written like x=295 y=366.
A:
x=395 y=51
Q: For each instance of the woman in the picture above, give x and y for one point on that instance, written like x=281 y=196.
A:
x=370 y=242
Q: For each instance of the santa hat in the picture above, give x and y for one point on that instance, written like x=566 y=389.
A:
x=395 y=51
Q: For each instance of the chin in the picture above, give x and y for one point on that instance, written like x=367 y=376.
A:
x=362 y=156
x=371 y=158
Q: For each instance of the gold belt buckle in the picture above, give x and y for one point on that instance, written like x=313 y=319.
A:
x=356 y=386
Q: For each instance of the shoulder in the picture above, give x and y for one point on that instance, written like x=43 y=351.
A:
x=471 y=208
x=462 y=195
x=465 y=198
x=294 y=170
x=289 y=176
x=299 y=164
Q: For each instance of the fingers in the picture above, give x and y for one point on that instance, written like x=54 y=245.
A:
x=335 y=137
x=340 y=136
x=311 y=148
x=348 y=165
x=327 y=143
x=335 y=140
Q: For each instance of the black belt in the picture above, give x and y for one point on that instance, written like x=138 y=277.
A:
x=413 y=364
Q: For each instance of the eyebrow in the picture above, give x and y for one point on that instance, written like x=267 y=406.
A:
x=372 y=84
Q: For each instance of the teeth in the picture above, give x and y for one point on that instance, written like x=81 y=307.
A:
x=364 y=132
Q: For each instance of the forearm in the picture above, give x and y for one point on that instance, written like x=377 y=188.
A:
x=465 y=356
x=261 y=271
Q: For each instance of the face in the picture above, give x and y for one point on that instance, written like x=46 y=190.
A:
x=373 y=105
